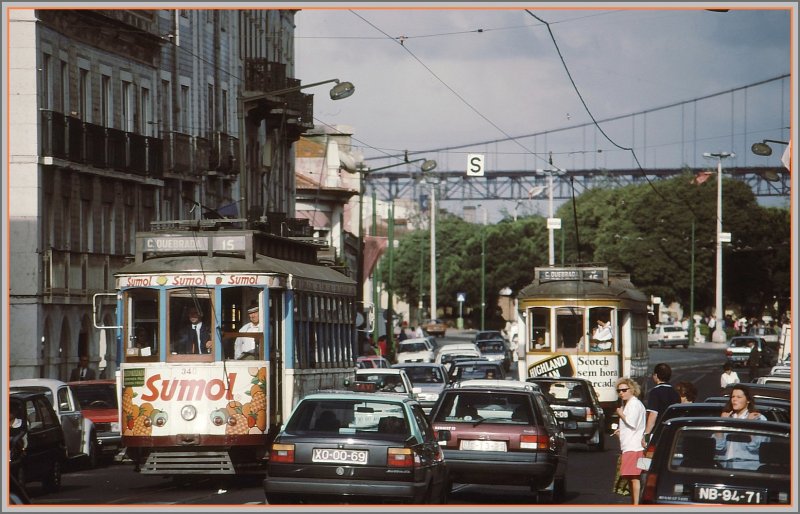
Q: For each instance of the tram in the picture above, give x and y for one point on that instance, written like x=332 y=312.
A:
x=196 y=408
x=559 y=311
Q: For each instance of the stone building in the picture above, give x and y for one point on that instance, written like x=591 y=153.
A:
x=120 y=118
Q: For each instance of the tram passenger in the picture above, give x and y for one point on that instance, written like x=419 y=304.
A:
x=602 y=336
x=195 y=336
x=244 y=348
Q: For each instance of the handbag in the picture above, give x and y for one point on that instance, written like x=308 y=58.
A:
x=621 y=485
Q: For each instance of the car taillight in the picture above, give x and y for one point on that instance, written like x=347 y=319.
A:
x=282 y=453
x=728 y=353
x=589 y=414
x=534 y=442
x=651 y=448
x=649 y=490
x=401 y=458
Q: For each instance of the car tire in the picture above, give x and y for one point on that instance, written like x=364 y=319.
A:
x=93 y=457
x=52 y=483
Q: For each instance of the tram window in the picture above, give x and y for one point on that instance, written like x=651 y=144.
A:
x=569 y=323
x=540 y=328
x=141 y=329
x=191 y=322
x=602 y=329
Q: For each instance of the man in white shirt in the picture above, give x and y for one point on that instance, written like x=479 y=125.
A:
x=244 y=348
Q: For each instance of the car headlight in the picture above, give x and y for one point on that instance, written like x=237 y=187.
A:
x=428 y=397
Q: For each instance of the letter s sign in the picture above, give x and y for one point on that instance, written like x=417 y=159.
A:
x=475 y=165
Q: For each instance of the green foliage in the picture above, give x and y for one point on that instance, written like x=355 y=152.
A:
x=643 y=229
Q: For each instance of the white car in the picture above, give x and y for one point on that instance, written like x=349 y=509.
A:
x=668 y=336
x=415 y=350
x=79 y=432
x=388 y=380
x=445 y=354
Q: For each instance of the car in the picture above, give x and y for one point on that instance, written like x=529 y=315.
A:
x=668 y=336
x=99 y=402
x=778 y=380
x=692 y=463
x=781 y=370
x=372 y=361
x=576 y=407
x=357 y=447
x=79 y=431
x=768 y=334
x=37 y=450
x=738 y=351
x=761 y=403
x=484 y=335
x=471 y=369
x=429 y=377
x=415 y=350
x=708 y=409
x=435 y=327
x=445 y=354
x=496 y=350
x=388 y=380
x=502 y=432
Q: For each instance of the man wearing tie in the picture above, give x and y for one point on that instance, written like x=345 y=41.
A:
x=195 y=337
x=82 y=371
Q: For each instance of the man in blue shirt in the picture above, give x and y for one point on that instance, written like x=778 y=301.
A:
x=659 y=398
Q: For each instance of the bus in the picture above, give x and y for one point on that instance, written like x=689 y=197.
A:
x=559 y=313
x=197 y=408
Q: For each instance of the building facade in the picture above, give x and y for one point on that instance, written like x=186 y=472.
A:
x=122 y=118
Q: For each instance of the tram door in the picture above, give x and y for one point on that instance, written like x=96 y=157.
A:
x=276 y=317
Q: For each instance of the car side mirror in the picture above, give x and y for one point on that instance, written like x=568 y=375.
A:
x=443 y=435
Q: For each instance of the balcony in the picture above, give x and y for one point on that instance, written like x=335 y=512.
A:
x=224 y=152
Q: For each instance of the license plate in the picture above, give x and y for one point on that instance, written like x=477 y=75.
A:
x=483 y=446
x=568 y=425
x=561 y=414
x=723 y=494
x=339 y=456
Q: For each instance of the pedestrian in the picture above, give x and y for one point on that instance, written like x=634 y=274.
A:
x=632 y=421
x=740 y=454
x=82 y=371
x=659 y=398
x=687 y=392
x=382 y=350
x=244 y=348
x=419 y=332
x=728 y=376
x=753 y=360
x=195 y=336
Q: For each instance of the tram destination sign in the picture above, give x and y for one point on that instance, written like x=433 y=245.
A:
x=193 y=243
x=571 y=274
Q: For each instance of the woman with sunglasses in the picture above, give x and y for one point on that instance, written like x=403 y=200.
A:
x=632 y=420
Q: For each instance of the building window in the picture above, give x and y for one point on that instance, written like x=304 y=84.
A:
x=105 y=101
x=166 y=112
x=47 y=82
x=65 y=88
x=127 y=106
x=85 y=96
x=185 y=109
x=146 y=116
x=225 y=111
x=211 y=125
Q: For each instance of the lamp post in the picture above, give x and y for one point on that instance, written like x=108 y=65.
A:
x=552 y=223
x=433 y=182
x=765 y=150
x=338 y=92
x=483 y=267
x=719 y=334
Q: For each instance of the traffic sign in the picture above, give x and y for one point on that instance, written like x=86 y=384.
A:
x=461 y=297
x=475 y=165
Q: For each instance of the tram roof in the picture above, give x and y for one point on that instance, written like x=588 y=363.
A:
x=225 y=264
x=619 y=287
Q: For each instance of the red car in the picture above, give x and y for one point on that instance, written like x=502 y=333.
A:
x=99 y=402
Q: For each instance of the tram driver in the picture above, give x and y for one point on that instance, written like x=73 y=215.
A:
x=244 y=348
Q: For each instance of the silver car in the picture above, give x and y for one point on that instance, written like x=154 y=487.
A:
x=430 y=378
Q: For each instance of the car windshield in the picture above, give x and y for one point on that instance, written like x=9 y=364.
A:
x=388 y=383
x=412 y=347
x=424 y=374
x=564 y=392
x=96 y=396
x=673 y=329
x=716 y=452
x=475 y=371
x=491 y=346
x=740 y=343
x=487 y=407
x=335 y=417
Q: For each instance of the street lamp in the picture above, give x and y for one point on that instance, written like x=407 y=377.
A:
x=483 y=267
x=765 y=150
x=338 y=92
x=433 y=181
x=719 y=334
x=552 y=223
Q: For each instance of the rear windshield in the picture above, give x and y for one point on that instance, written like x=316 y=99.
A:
x=99 y=396
x=383 y=382
x=564 y=393
x=673 y=329
x=424 y=375
x=333 y=418
x=491 y=346
x=487 y=407
x=412 y=347
x=716 y=452
x=476 y=371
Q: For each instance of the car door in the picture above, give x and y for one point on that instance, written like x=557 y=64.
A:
x=71 y=420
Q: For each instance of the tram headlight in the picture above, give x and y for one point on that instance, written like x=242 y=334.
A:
x=219 y=417
x=188 y=412
x=160 y=419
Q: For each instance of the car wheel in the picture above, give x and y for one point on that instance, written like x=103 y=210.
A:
x=544 y=496
x=52 y=483
x=94 y=452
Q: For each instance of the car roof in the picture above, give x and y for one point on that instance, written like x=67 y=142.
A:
x=25 y=395
x=560 y=379
x=337 y=394
x=41 y=382
x=379 y=371
x=401 y=365
x=92 y=382
x=414 y=340
x=763 y=390
x=745 y=424
x=484 y=384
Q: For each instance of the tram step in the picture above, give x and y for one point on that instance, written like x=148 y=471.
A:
x=188 y=463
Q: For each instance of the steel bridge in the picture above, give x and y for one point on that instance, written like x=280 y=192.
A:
x=527 y=185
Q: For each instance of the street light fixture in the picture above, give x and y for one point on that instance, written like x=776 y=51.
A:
x=765 y=150
x=719 y=334
x=338 y=92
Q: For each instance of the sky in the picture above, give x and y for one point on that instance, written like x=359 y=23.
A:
x=445 y=82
